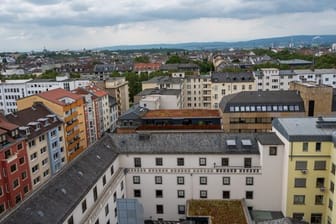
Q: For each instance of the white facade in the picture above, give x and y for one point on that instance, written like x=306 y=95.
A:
x=155 y=102
x=11 y=90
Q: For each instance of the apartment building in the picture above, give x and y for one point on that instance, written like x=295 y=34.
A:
x=12 y=90
x=159 y=99
x=118 y=88
x=196 y=92
x=275 y=79
x=162 y=171
x=45 y=141
x=97 y=112
x=309 y=168
x=69 y=107
x=15 y=182
x=113 y=112
x=253 y=111
x=230 y=83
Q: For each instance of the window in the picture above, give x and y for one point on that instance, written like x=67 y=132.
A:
x=35 y=168
x=112 y=170
x=84 y=206
x=332 y=186
x=36 y=180
x=13 y=168
x=19 y=146
x=203 y=180
x=115 y=212
x=114 y=196
x=203 y=194
x=107 y=210
x=15 y=183
x=202 y=161
x=23 y=175
x=225 y=161
x=43 y=150
x=330 y=204
x=316 y=218
x=249 y=194
x=298 y=216
x=180 y=180
x=137 y=193
x=247 y=162
x=333 y=168
x=159 y=209
x=181 y=209
x=104 y=180
x=226 y=194
x=226 y=180
x=122 y=185
x=320 y=165
x=319 y=182
x=17 y=198
x=158 y=179
x=158 y=161
x=45 y=173
x=318 y=147
x=272 y=150
x=299 y=199
x=318 y=199
x=300 y=165
x=305 y=146
x=2 y=208
x=136 y=179
x=158 y=193
x=300 y=182
x=137 y=162
x=180 y=193
x=249 y=180
x=33 y=156
x=41 y=138
x=45 y=161
x=31 y=143
x=95 y=194
x=180 y=161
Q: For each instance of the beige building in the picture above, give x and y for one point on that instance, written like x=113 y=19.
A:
x=118 y=88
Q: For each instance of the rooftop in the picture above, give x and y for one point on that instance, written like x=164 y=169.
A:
x=157 y=91
x=183 y=113
x=220 y=211
x=295 y=62
x=232 y=77
x=56 y=95
x=279 y=99
x=164 y=80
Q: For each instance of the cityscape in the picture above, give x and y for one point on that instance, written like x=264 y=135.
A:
x=177 y=112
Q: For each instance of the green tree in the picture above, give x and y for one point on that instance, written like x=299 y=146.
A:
x=142 y=59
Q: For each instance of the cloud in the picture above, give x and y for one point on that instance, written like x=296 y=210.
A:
x=77 y=24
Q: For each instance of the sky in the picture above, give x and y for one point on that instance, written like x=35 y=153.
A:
x=27 y=25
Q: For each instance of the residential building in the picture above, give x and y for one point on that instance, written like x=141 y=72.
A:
x=146 y=67
x=97 y=112
x=118 y=88
x=229 y=83
x=163 y=82
x=12 y=90
x=113 y=112
x=162 y=171
x=45 y=141
x=309 y=168
x=69 y=107
x=15 y=182
x=197 y=92
x=159 y=99
x=192 y=69
x=253 y=111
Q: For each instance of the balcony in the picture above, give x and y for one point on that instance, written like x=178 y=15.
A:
x=71 y=116
x=10 y=158
x=72 y=145
x=72 y=126
x=72 y=136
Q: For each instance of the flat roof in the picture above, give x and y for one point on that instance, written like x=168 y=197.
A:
x=182 y=113
x=220 y=211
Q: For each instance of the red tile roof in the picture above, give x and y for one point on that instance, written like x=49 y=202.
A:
x=146 y=66
x=56 y=94
x=183 y=113
x=6 y=125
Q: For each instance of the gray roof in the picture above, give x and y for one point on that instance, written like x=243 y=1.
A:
x=263 y=98
x=232 y=77
x=186 y=143
x=157 y=91
x=306 y=129
x=295 y=62
x=269 y=138
x=50 y=204
x=176 y=67
x=134 y=113
x=164 y=80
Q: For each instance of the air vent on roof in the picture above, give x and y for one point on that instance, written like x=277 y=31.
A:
x=40 y=213
x=98 y=157
x=63 y=191
x=246 y=142
x=231 y=142
x=80 y=173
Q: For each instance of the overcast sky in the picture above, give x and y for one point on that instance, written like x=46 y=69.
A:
x=75 y=24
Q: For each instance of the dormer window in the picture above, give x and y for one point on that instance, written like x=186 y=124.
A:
x=15 y=133
x=3 y=138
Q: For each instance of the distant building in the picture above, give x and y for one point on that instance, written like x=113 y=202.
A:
x=146 y=67
x=159 y=99
x=193 y=69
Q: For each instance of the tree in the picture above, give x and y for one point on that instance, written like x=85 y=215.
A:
x=142 y=59
x=175 y=59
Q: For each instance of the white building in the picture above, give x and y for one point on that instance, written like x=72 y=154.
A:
x=162 y=171
x=11 y=90
x=154 y=99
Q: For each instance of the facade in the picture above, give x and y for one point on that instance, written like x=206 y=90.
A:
x=118 y=88
x=15 y=182
x=69 y=107
x=309 y=168
x=45 y=141
x=162 y=172
x=253 y=111
x=12 y=90
x=159 y=99
x=146 y=67
x=113 y=112
x=97 y=112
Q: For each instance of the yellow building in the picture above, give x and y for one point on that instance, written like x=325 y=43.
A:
x=70 y=108
x=309 y=168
